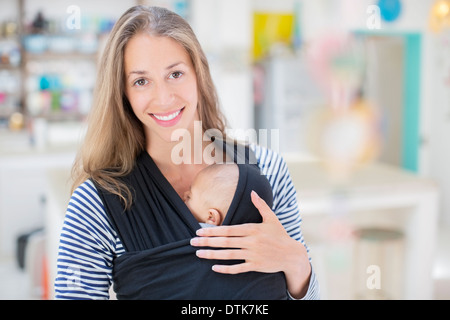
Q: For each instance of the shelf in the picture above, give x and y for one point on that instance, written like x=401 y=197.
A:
x=9 y=67
x=49 y=55
x=62 y=116
x=66 y=59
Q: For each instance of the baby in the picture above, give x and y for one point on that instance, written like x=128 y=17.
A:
x=220 y=195
x=211 y=193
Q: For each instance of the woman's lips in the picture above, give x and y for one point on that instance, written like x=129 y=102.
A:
x=167 y=119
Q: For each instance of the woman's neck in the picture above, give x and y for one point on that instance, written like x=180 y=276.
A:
x=160 y=151
x=170 y=154
x=179 y=172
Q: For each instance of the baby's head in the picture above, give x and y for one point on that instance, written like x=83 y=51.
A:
x=211 y=193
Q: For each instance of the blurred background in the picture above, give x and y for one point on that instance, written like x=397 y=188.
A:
x=355 y=94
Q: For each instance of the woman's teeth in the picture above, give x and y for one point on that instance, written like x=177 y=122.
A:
x=169 y=117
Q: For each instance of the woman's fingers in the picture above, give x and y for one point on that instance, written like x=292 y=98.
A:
x=264 y=210
x=233 y=269
x=262 y=246
x=244 y=229
x=220 y=242
x=241 y=230
x=235 y=254
x=225 y=254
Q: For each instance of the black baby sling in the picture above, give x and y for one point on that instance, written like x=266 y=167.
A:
x=159 y=262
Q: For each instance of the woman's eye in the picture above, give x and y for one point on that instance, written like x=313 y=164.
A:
x=176 y=75
x=140 y=82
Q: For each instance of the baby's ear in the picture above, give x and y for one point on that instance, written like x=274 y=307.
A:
x=214 y=217
x=186 y=195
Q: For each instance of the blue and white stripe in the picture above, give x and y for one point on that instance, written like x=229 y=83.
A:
x=285 y=203
x=88 y=242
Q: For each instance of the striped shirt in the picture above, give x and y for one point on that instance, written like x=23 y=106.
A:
x=89 y=243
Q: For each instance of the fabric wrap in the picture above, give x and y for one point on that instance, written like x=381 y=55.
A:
x=159 y=262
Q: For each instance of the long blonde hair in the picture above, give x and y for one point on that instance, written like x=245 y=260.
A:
x=115 y=136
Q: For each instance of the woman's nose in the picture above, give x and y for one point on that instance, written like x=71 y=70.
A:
x=163 y=96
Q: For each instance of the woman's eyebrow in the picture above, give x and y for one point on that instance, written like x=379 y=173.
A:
x=138 y=72
x=143 y=72
x=173 y=65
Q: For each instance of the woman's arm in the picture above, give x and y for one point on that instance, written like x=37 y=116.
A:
x=86 y=250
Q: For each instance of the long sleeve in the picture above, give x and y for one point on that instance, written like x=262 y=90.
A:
x=87 y=247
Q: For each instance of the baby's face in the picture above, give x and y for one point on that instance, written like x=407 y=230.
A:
x=195 y=202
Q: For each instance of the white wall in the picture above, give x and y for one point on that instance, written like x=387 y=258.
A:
x=438 y=113
x=224 y=29
x=320 y=17
x=58 y=9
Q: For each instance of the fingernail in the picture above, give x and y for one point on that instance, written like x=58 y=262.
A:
x=217 y=268
x=194 y=241
x=255 y=195
x=200 y=232
x=199 y=253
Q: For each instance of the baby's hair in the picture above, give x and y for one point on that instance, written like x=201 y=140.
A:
x=223 y=179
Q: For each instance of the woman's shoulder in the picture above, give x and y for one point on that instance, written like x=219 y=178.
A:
x=86 y=197
x=86 y=208
x=269 y=161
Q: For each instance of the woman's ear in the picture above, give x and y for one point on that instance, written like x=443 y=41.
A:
x=214 y=217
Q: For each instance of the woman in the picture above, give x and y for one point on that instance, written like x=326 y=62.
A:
x=154 y=79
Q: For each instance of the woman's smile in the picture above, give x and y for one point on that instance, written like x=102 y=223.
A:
x=167 y=119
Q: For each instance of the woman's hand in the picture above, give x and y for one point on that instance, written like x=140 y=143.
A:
x=265 y=247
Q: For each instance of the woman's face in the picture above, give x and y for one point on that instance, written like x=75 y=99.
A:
x=161 y=85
